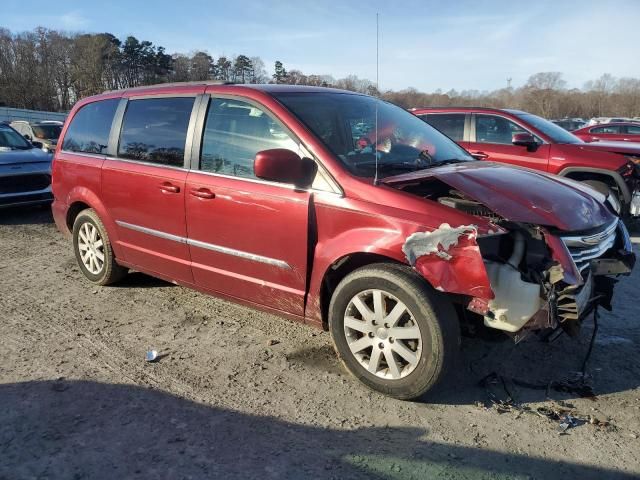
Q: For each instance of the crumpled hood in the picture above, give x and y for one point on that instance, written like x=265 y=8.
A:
x=518 y=194
x=33 y=155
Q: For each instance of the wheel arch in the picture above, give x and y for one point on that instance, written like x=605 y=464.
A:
x=342 y=267
x=609 y=177
x=81 y=198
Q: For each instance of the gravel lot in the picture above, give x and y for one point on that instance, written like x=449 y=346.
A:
x=243 y=394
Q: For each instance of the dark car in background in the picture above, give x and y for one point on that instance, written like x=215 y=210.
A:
x=43 y=134
x=618 y=132
x=526 y=140
x=570 y=124
x=25 y=171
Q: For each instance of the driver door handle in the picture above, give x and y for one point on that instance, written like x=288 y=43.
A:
x=479 y=155
x=167 y=187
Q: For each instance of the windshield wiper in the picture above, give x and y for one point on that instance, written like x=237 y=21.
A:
x=385 y=167
x=449 y=161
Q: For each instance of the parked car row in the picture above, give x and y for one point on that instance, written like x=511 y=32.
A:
x=605 y=120
x=618 y=131
x=348 y=213
x=570 y=124
x=574 y=124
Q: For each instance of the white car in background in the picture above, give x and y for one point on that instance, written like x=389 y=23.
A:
x=600 y=120
x=45 y=132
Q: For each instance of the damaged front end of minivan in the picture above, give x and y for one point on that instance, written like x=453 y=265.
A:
x=522 y=263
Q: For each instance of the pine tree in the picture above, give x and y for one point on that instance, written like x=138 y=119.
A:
x=280 y=75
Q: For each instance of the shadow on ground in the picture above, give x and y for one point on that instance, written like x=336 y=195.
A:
x=141 y=280
x=91 y=430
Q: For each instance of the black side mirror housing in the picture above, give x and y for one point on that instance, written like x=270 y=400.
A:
x=525 y=140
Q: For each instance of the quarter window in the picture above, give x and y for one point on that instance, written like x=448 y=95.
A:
x=90 y=126
x=451 y=124
x=155 y=130
x=494 y=129
x=234 y=132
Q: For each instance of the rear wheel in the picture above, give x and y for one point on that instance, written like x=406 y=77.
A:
x=392 y=330
x=93 y=250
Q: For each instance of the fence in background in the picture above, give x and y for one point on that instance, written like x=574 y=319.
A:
x=11 y=114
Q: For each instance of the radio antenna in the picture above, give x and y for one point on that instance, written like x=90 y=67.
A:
x=375 y=146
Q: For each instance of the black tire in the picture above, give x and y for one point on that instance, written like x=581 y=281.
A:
x=110 y=272
x=431 y=310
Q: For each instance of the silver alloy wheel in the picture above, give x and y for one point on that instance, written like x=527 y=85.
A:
x=91 y=248
x=382 y=334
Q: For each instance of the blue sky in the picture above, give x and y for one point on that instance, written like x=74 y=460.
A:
x=427 y=44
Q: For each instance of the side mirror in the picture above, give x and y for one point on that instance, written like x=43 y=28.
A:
x=37 y=144
x=284 y=166
x=525 y=140
x=27 y=136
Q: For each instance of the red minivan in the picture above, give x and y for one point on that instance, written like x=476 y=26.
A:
x=332 y=208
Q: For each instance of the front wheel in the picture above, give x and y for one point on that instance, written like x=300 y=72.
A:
x=392 y=330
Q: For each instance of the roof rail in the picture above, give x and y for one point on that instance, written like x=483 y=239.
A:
x=455 y=106
x=174 y=84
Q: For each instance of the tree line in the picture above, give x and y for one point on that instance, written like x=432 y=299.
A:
x=50 y=70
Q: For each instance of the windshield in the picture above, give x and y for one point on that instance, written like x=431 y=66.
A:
x=48 y=132
x=346 y=123
x=12 y=140
x=556 y=133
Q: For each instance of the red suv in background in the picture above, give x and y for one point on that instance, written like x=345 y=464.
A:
x=619 y=132
x=526 y=140
x=332 y=208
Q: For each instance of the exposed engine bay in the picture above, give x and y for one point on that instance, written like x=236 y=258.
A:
x=538 y=277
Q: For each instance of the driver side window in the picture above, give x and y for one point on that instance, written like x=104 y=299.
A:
x=234 y=132
x=495 y=129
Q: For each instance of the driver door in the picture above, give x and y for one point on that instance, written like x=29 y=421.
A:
x=248 y=238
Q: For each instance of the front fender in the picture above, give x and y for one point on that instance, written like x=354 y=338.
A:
x=462 y=273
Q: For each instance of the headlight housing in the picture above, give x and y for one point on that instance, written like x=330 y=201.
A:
x=632 y=167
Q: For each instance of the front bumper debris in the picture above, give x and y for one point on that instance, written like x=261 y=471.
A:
x=634 y=206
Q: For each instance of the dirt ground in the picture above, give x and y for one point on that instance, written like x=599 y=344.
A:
x=242 y=394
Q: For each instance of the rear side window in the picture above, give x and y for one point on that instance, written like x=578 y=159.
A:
x=633 y=129
x=155 y=130
x=451 y=124
x=607 y=129
x=90 y=126
x=234 y=132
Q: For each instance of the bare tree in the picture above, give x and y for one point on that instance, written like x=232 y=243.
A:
x=47 y=69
